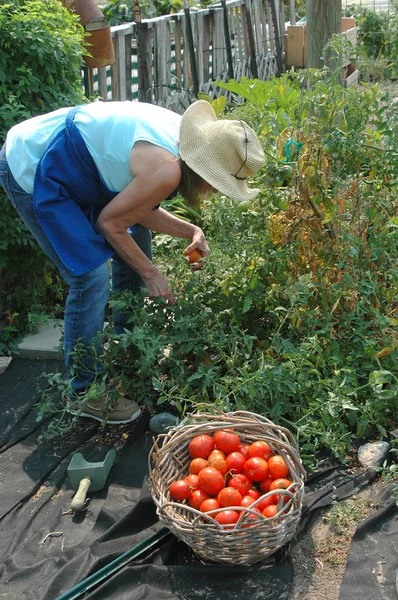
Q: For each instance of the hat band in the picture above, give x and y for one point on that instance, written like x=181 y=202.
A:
x=245 y=160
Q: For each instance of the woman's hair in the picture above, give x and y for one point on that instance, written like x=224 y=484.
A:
x=189 y=187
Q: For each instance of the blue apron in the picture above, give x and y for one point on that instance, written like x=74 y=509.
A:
x=68 y=196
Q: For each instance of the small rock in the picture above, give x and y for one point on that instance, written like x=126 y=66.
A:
x=162 y=422
x=394 y=434
x=373 y=454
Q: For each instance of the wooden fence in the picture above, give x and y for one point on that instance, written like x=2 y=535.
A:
x=167 y=60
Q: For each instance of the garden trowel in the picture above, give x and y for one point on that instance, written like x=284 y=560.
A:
x=87 y=477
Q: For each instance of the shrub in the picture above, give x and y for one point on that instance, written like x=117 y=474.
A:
x=41 y=47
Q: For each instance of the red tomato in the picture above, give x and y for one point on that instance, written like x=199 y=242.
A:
x=254 y=493
x=270 y=511
x=215 y=453
x=260 y=448
x=197 y=464
x=256 y=468
x=201 y=446
x=241 y=483
x=193 y=481
x=210 y=504
x=196 y=499
x=227 y=517
x=280 y=484
x=277 y=467
x=211 y=481
x=247 y=501
x=219 y=463
x=229 y=496
x=265 y=483
x=226 y=440
x=265 y=502
x=194 y=256
x=180 y=490
x=244 y=449
x=251 y=519
x=235 y=462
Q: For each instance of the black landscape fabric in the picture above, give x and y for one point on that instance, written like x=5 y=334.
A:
x=45 y=551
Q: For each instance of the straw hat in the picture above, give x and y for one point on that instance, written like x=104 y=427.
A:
x=223 y=152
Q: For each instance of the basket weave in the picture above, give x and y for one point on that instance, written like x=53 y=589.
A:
x=99 y=44
x=238 y=544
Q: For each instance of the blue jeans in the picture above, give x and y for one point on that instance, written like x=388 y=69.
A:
x=88 y=293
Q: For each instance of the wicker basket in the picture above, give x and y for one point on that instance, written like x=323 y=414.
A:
x=238 y=544
x=99 y=44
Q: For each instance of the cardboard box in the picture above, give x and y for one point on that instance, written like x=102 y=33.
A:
x=296 y=41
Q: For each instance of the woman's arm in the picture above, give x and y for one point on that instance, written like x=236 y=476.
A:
x=164 y=222
x=156 y=176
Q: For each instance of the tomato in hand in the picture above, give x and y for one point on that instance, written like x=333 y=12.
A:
x=256 y=468
x=211 y=481
x=180 y=490
x=201 y=446
x=226 y=440
x=197 y=464
x=235 y=462
x=229 y=496
x=194 y=256
x=241 y=483
x=196 y=499
x=277 y=467
x=260 y=448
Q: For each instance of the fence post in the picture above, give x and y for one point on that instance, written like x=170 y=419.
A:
x=191 y=47
x=253 y=61
x=227 y=40
x=277 y=35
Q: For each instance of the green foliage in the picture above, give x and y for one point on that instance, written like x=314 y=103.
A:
x=41 y=47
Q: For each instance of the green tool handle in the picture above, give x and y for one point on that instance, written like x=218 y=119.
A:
x=115 y=565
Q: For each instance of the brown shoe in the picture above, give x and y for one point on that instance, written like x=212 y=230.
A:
x=121 y=411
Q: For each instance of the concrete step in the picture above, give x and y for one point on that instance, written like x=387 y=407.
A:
x=45 y=343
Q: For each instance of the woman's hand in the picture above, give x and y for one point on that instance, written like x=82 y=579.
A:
x=157 y=286
x=198 y=242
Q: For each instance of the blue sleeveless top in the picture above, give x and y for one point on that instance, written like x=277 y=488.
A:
x=83 y=167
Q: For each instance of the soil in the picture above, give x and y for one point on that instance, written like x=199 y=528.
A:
x=320 y=556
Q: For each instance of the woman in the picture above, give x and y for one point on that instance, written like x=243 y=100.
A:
x=88 y=182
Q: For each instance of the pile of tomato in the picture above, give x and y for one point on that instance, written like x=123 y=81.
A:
x=226 y=474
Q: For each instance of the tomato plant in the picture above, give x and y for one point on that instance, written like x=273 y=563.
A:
x=201 y=446
x=211 y=481
x=256 y=468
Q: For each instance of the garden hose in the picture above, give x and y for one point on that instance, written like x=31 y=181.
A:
x=147 y=544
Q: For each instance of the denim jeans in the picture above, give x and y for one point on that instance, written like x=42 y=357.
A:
x=88 y=293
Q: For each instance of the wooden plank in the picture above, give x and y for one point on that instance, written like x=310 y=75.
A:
x=292 y=10
x=257 y=28
x=271 y=37
x=206 y=47
x=200 y=45
x=160 y=38
x=178 y=54
x=103 y=83
x=128 y=68
x=119 y=42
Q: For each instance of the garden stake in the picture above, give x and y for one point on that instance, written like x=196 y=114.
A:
x=149 y=543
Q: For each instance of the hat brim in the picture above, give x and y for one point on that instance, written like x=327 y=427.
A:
x=202 y=159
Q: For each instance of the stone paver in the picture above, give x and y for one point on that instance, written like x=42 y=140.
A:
x=45 y=343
